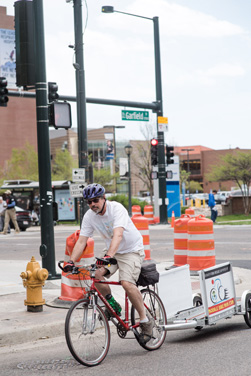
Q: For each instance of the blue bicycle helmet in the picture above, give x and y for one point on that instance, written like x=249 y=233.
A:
x=93 y=190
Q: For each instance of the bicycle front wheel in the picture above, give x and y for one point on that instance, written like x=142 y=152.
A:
x=155 y=308
x=87 y=333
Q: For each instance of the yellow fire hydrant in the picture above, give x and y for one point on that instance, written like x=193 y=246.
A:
x=33 y=279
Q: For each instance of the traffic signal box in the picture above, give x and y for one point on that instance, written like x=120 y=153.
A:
x=52 y=91
x=169 y=155
x=59 y=112
x=154 y=151
x=60 y=115
x=3 y=92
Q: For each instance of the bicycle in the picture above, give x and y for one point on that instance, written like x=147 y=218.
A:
x=87 y=329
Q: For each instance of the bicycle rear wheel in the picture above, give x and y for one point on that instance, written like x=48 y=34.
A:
x=87 y=333
x=155 y=308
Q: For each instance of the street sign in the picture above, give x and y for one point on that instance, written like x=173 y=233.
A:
x=162 y=124
x=78 y=175
x=135 y=115
x=76 y=190
x=162 y=120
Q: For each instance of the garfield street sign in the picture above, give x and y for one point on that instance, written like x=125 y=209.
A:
x=135 y=115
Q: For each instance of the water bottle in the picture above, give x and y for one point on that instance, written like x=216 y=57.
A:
x=114 y=304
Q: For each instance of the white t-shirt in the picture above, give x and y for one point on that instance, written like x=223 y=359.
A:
x=115 y=216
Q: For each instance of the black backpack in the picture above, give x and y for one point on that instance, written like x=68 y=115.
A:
x=148 y=274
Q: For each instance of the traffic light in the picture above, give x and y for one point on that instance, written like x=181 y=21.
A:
x=3 y=92
x=52 y=92
x=154 y=151
x=169 y=155
x=60 y=115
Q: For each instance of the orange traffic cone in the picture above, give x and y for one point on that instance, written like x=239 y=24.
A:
x=173 y=219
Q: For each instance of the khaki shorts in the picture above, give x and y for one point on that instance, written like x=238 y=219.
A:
x=129 y=265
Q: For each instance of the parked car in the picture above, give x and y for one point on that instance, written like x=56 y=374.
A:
x=24 y=219
x=221 y=197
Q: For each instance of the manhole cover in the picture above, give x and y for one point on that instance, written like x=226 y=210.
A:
x=53 y=364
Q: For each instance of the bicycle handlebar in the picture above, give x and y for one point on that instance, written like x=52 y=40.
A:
x=112 y=261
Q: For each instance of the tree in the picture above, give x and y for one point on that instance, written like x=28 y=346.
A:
x=235 y=167
x=23 y=164
x=62 y=165
x=192 y=185
x=105 y=178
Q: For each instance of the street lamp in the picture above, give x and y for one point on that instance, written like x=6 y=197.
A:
x=188 y=167
x=159 y=111
x=128 y=150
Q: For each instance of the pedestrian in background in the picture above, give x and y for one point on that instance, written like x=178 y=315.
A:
x=10 y=213
x=2 y=212
x=211 y=204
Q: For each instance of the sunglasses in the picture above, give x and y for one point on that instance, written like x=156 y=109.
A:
x=95 y=200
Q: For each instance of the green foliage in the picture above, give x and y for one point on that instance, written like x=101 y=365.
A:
x=62 y=165
x=23 y=164
x=183 y=209
x=235 y=167
x=195 y=186
x=123 y=199
x=105 y=178
x=192 y=186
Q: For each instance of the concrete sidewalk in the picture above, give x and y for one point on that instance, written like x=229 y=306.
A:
x=19 y=326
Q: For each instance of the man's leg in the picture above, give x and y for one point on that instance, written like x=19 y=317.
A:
x=103 y=288
x=6 y=221
x=135 y=298
x=14 y=219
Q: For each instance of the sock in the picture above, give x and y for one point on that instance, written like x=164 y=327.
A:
x=144 y=320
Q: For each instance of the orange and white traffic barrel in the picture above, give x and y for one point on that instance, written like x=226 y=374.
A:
x=180 y=240
x=73 y=286
x=200 y=243
x=190 y=212
x=141 y=223
x=136 y=210
x=148 y=213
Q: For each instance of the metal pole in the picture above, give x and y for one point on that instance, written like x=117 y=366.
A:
x=81 y=97
x=47 y=248
x=114 y=157
x=129 y=186
x=161 y=146
x=188 y=171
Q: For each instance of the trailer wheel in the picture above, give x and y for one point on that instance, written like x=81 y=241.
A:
x=247 y=316
x=197 y=301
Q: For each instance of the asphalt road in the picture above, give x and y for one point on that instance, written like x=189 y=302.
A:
x=223 y=349
x=232 y=243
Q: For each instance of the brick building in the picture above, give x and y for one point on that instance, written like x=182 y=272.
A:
x=200 y=160
x=18 y=119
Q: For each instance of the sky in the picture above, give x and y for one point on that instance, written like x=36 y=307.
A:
x=205 y=65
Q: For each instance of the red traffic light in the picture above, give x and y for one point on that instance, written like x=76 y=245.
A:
x=154 y=142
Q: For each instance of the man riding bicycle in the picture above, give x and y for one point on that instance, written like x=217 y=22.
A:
x=123 y=242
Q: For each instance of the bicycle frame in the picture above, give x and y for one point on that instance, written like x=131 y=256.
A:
x=95 y=291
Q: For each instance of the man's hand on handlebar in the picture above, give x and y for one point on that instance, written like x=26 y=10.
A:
x=69 y=266
x=106 y=260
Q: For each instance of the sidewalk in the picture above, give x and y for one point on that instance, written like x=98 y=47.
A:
x=19 y=326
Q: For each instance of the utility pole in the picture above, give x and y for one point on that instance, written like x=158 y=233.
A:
x=47 y=248
x=81 y=96
x=161 y=143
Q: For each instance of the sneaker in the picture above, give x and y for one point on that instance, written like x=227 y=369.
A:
x=3 y=233
x=146 y=330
